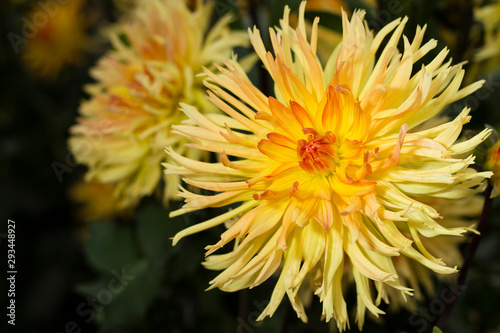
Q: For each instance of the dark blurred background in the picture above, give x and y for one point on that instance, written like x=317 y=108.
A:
x=122 y=274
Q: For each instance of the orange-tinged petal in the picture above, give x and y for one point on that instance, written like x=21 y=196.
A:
x=285 y=119
x=360 y=187
x=282 y=140
x=302 y=115
x=276 y=152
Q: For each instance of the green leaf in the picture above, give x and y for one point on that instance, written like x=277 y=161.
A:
x=124 y=296
x=110 y=247
x=436 y=330
x=155 y=230
x=132 y=302
x=132 y=276
x=92 y=288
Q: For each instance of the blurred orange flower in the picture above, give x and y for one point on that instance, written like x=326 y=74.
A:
x=61 y=41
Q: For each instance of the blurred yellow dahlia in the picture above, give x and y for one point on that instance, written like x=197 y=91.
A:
x=157 y=55
x=325 y=171
x=59 y=37
x=489 y=16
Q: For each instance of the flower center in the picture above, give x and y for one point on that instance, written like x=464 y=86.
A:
x=318 y=154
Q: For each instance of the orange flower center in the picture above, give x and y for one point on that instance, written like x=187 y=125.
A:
x=318 y=153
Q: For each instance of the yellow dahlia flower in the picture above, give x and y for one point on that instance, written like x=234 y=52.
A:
x=489 y=16
x=124 y=127
x=59 y=38
x=325 y=171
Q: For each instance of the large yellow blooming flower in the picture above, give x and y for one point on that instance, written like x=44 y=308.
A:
x=158 y=53
x=58 y=42
x=324 y=172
